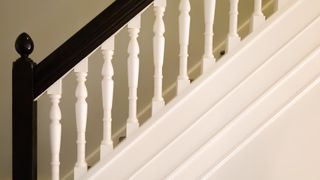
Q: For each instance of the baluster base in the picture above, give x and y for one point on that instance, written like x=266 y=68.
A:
x=256 y=21
x=105 y=149
x=157 y=105
x=132 y=127
x=182 y=84
x=207 y=63
x=232 y=43
x=80 y=171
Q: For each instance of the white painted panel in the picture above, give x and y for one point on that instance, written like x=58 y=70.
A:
x=287 y=148
x=230 y=136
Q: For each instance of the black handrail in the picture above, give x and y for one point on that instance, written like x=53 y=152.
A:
x=86 y=40
x=29 y=80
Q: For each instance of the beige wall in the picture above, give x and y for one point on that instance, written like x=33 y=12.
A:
x=50 y=23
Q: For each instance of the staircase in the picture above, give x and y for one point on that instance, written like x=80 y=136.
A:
x=211 y=121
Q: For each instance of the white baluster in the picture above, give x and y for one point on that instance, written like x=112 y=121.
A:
x=54 y=93
x=107 y=49
x=133 y=73
x=233 y=37
x=81 y=71
x=184 y=30
x=209 y=10
x=257 y=18
x=158 y=54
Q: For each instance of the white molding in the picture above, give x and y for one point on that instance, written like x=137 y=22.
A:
x=261 y=128
x=230 y=135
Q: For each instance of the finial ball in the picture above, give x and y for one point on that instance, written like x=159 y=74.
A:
x=24 y=45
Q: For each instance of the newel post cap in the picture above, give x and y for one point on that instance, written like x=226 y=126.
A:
x=24 y=45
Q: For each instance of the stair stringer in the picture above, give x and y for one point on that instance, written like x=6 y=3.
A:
x=210 y=174
x=181 y=112
x=244 y=94
x=263 y=109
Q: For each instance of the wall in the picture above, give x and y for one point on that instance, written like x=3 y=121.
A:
x=50 y=23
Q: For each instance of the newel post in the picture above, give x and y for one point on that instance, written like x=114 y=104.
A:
x=24 y=113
